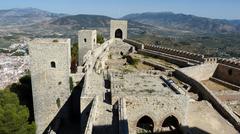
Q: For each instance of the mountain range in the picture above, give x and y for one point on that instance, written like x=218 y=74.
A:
x=186 y=22
x=36 y=21
x=26 y=16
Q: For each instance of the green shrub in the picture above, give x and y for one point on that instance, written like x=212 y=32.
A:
x=100 y=38
x=13 y=116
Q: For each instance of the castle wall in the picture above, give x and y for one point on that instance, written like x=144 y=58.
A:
x=50 y=69
x=200 y=72
x=208 y=95
x=136 y=44
x=198 y=58
x=87 y=40
x=158 y=109
x=118 y=24
x=91 y=118
x=167 y=57
x=228 y=73
x=123 y=124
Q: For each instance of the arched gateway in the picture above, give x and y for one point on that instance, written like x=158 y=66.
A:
x=145 y=125
x=118 y=29
x=119 y=34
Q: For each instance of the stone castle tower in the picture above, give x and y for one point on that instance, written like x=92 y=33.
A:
x=50 y=69
x=118 y=29
x=87 y=40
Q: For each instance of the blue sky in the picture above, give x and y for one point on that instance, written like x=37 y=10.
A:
x=222 y=9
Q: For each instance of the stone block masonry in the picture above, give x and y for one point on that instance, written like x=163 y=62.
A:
x=50 y=69
x=87 y=40
x=118 y=29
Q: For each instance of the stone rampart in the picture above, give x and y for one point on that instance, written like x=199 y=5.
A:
x=211 y=60
x=229 y=62
x=188 y=55
x=222 y=108
x=158 y=109
x=136 y=44
x=200 y=72
x=123 y=124
x=91 y=118
x=228 y=73
x=227 y=84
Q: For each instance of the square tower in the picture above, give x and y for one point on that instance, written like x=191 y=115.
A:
x=87 y=40
x=50 y=69
x=118 y=29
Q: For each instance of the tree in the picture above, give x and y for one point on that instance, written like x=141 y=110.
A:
x=100 y=38
x=23 y=89
x=13 y=116
x=74 y=57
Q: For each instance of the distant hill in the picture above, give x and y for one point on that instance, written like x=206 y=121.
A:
x=102 y=23
x=186 y=22
x=83 y=20
x=25 y=16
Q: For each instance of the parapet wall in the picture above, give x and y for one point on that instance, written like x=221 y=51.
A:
x=91 y=118
x=136 y=44
x=228 y=73
x=158 y=109
x=211 y=60
x=200 y=72
x=180 y=53
x=229 y=62
x=208 y=95
x=123 y=124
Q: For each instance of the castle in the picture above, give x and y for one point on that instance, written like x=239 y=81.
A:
x=123 y=86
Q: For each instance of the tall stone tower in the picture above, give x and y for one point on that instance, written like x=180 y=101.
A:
x=118 y=29
x=87 y=40
x=50 y=69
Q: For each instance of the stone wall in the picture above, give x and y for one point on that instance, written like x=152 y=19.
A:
x=188 y=55
x=50 y=69
x=123 y=124
x=91 y=118
x=228 y=73
x=200 y=72
x=167 y=57
x=158 y=109
x=118 y=24
x=136 y=44
x=97 y=55
x=87 y=40
x=208 y=95
x=227 y=84
x=229 y=62
x=211 y=60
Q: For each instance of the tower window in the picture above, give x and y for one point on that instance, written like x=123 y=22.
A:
x=53 y=64
x=85 y=40
x=230 y=71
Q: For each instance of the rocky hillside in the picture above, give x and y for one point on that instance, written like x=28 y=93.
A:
x=186 y=22
x=84 y=20
x=25 y=16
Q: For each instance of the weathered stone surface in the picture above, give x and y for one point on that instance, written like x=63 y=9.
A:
x=50 y=83
x=118 y=24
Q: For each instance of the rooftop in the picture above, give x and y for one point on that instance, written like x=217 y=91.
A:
x=50 y=40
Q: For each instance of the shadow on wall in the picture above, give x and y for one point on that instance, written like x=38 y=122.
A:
x=68 y=118
x=185 y=130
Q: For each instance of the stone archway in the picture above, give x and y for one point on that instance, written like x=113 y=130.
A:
x=119 y=34
x=171 y=124
x=145 y=125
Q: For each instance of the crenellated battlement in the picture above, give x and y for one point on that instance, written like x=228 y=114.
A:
x=229 y=62
x=185 y=54
x=211 y=60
